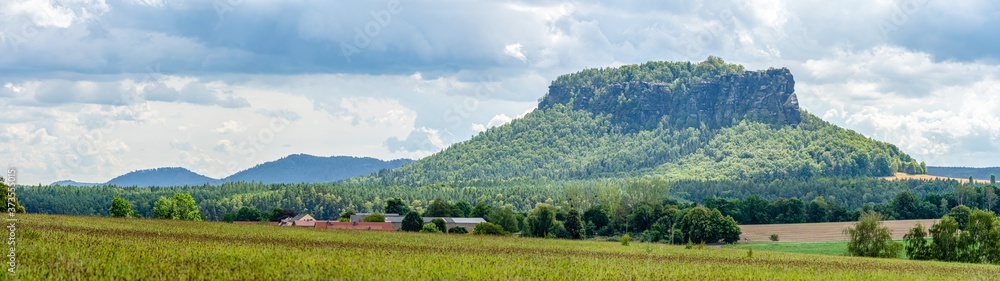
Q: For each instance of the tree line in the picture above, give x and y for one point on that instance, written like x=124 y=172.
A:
x=329 y=200
x=963 y=234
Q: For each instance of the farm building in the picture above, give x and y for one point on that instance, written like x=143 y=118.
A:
x=397 y=220
x=359 y=217
x=299 y=220
x=467 y=223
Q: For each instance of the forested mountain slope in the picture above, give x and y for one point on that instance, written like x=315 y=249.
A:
x=709 y=120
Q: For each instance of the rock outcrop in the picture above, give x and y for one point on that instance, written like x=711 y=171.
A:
x=766 y=96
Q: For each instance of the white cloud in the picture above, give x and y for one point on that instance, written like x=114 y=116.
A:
x=59 y=13
x=151 y=78
x=231 y=126
x=941 y=112
x=771 y=12
x=373 y=111
x=499 y=119
x=151 y=3
x=514 y=51
x=224 y=146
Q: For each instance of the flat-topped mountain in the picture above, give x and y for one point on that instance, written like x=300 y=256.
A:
x=678 y=120
x=680 y=94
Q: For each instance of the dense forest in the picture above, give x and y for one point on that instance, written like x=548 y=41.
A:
x=328 y=200
x=638 y=207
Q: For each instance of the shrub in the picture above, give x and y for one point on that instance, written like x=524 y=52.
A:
x=626 y=239
x=486 y=228
x=247 y=213
x=774 y=237
x=346 y=215
x=458 y=230
x=440 y=224
x=430 y=228
x=374 y=217
x=650 y=236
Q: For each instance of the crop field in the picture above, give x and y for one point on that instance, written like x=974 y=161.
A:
x=838 y=248
x=821 y=232
x=94 y=248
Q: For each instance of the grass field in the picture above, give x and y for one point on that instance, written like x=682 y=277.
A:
x=837 y=248
x=92 y=248
x=819 y=248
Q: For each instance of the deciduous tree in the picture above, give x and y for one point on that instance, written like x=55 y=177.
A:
x=869 y=238
x=540 y=220
x=505 y=218
x=412 y=222
x=396 y=206
x=917 y=247
x=574 y=225
x=120 y=208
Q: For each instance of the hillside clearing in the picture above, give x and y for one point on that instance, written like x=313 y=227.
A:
x=67 y=247
x=821 y=232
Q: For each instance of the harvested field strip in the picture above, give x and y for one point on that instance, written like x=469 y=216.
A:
x=820 y=232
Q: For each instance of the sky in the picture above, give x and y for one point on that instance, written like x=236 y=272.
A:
x=92 y=89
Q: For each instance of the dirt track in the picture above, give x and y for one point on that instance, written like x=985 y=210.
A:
x=820 y=232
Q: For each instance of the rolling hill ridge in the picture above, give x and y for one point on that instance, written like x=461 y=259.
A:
x=295 y=168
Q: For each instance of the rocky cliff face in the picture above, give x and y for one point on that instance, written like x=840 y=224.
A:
x=766 y=96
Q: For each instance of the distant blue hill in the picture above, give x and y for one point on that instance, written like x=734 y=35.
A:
x=296 y=168
x=300 y=168
x=172 y=176
x=74 y=183
x=964 y=172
